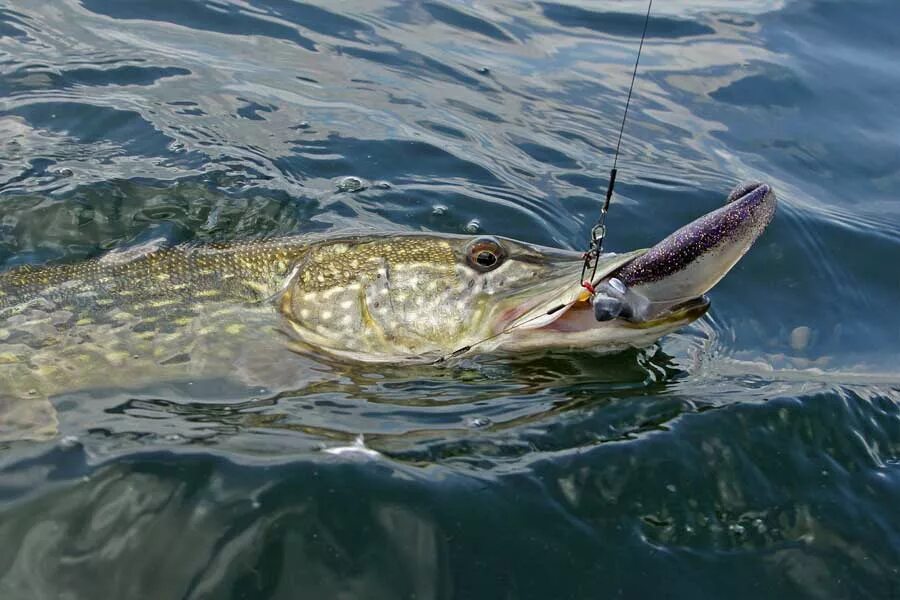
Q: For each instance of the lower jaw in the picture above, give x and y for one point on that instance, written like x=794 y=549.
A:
x=581 y=317
x=686 y=311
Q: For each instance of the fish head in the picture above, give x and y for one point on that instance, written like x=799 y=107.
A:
x=383 y=298
x=423 y=296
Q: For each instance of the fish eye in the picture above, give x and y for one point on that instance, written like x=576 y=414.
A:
x=485 y=254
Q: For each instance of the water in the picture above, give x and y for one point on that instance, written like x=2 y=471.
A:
x=754 y=454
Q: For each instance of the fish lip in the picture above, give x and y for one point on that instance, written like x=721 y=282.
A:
x=687 y=311
x=680 y=314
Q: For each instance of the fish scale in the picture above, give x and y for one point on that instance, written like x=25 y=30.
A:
x=234 y=312
x=174 y=314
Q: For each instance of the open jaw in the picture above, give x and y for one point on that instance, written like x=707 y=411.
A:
x=646 y=294
x=574 y=325
x=580 y=317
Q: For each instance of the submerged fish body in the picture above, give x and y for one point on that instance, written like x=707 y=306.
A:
x=372 y=298
x=189 y=312
x=123 y=322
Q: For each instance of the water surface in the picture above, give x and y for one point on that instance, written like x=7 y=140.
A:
x=754 y=454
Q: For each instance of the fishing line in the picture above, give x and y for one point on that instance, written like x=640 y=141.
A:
x=598 y=232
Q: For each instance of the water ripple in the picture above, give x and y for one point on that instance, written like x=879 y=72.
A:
x=754 y=453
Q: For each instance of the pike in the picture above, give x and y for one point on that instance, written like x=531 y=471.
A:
x=184 y=313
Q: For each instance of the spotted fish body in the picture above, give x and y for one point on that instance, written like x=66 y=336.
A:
x=123 y=322
x=240 y=311
x=407 y=297
x=219 y=311
x=375 y=293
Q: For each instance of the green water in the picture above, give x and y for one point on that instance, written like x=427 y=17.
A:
x=754 y=454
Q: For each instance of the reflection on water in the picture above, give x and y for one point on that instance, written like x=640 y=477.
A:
x=401 y=412
x=753 y=454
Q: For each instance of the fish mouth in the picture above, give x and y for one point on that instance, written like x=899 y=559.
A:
x=687 y=311
x=579 y=316
x=552 y=300
x=665 y=286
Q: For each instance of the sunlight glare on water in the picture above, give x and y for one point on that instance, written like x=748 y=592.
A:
x=753 y=454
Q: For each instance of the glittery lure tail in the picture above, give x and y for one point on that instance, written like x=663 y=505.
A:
x=689 y=262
